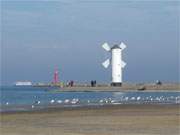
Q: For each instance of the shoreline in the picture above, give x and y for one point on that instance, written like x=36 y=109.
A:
x=167 y=87
x=57 y=108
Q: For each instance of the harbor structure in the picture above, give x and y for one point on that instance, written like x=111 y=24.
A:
x=56 y=77
x=117 y=64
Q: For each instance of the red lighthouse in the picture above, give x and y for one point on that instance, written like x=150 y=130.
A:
x=56 y=77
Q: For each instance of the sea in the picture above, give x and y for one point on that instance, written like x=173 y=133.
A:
x=13 y=98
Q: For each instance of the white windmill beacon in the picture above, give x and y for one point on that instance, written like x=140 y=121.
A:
x=116 y=62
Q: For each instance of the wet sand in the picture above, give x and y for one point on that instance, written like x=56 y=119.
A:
x=107 y=120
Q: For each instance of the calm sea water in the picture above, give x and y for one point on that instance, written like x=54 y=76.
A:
x=25 y=98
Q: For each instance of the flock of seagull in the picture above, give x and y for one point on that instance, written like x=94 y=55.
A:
x=119 y=100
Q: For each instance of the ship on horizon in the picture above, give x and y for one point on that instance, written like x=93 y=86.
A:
x=23 y=83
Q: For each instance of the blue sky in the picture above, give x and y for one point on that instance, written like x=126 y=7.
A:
x=38 y=36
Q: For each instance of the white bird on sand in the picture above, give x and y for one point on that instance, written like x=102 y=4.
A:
x=126 y=98
x=74 y=101
x=59 y=101
x=178 y=98
x=113 y=101
x=138 y=98
x=157 y=98
x=37 y=102
x=32 y=106
x=101 y=101
x=66 y=101
x=7 y=103
x=52 y=101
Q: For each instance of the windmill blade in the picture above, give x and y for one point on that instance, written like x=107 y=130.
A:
x=106 y=63
x=106 y=47
x=123 y=64
x=122 y=46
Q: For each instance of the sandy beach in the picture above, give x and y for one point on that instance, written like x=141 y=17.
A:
x=106 y=120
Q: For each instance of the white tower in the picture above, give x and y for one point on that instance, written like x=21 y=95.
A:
x=116 y=62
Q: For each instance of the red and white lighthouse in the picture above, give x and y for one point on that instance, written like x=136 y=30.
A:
x=56 y=77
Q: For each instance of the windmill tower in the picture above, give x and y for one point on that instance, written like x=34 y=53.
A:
x=116 y=62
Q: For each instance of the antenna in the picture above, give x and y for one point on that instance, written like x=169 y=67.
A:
x=116 y=62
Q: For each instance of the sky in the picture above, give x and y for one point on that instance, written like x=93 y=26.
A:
x=39 y=36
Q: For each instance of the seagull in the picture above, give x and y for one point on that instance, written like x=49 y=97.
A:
x=112 y=101
x=157 y=98
x=138 y=98
x=7 y=103
x=126 y=98
x=66 y=101
x=59 y=101
x=52 y=101
x=101 y=101
x=74 y=101
x=37 y=102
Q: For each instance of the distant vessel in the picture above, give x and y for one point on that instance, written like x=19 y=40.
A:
x=23 y=83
